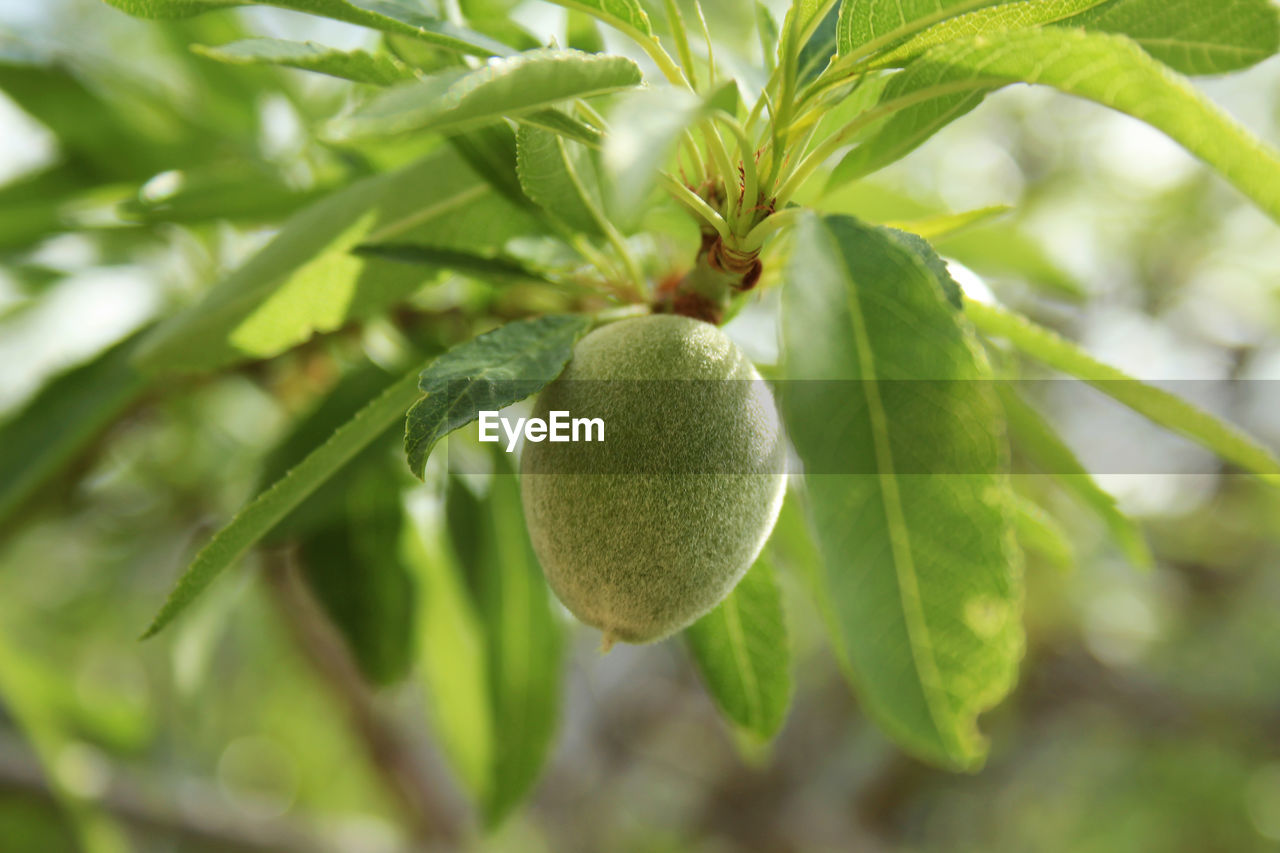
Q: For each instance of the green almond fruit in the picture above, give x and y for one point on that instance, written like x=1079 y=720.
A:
x=644 y=532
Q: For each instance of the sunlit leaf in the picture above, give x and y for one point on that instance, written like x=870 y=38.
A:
x=1041 y=534
x=389 y=16
x=866 y=25
x=944 y=225
x=1193 y=36
x=990 y=21
x=1037 y=440
x=1110 y=70
x=920 y=570
x=306 y=280
x=1156 y=404
x=903 y=132
x=522 y=84
x=378 y=69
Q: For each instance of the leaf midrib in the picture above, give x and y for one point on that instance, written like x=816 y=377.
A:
x=926 y=664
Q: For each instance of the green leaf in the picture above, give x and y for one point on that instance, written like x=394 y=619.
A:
x=482 y=267
x=1003 y=249
x=626 y=16
x=360 y=66
x=868 y=25
x=1159 y=406
x=904 y=131
x=59 y=422
x=990 y=20
x=489 y=372
x=355 y=570
x=560 y=176
x=256 y=519
x=388 y=16
x=1110 y=70
x=327 y=505
x=943 y=225
x=583 y=34
x=563 y=125
x=348 y=530
x=307 y=281
x=1193 y=36
x=1037 y=440
x=453 y=653
x=767 y=28
x=501 y=624
x=742 y=652
x=921 y=572
x=820 y=47
x=169 y=9
x=491 y=152
x=1041 y=534
x=457 y=98
x=525 y=644
x=242 y=192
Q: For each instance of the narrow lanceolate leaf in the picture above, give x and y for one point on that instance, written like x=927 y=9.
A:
x=260 y=515
x=742 y=652
x=1110 y=70
x=490 y=269
x=564 y=125
x=904 y=456
x=560 y=176
x=903 y=132
x=1037 y=440
x=453 y=651
x=348 y=530
x=944 y=225
x=459 y=97
x=1159 y=406
x=388 y=16
x=869 y=25
x=307 y=281
x=525 y=644
x=48 y=433
x=354 y=569
x=1192 y=36
x=989 y=20
x=378 y=69
x=487 y=373
x=1040 y=533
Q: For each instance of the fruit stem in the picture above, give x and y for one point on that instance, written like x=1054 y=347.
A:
x=607 y=641
x=704 y=292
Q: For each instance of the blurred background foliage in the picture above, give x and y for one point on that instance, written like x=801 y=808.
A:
x=135 y=173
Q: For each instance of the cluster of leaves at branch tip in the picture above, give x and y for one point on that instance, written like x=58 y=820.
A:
x=684 y=496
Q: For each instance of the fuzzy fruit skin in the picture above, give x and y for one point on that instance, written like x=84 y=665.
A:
x=660 y=524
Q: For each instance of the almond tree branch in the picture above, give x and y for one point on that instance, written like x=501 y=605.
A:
x=430 y=815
